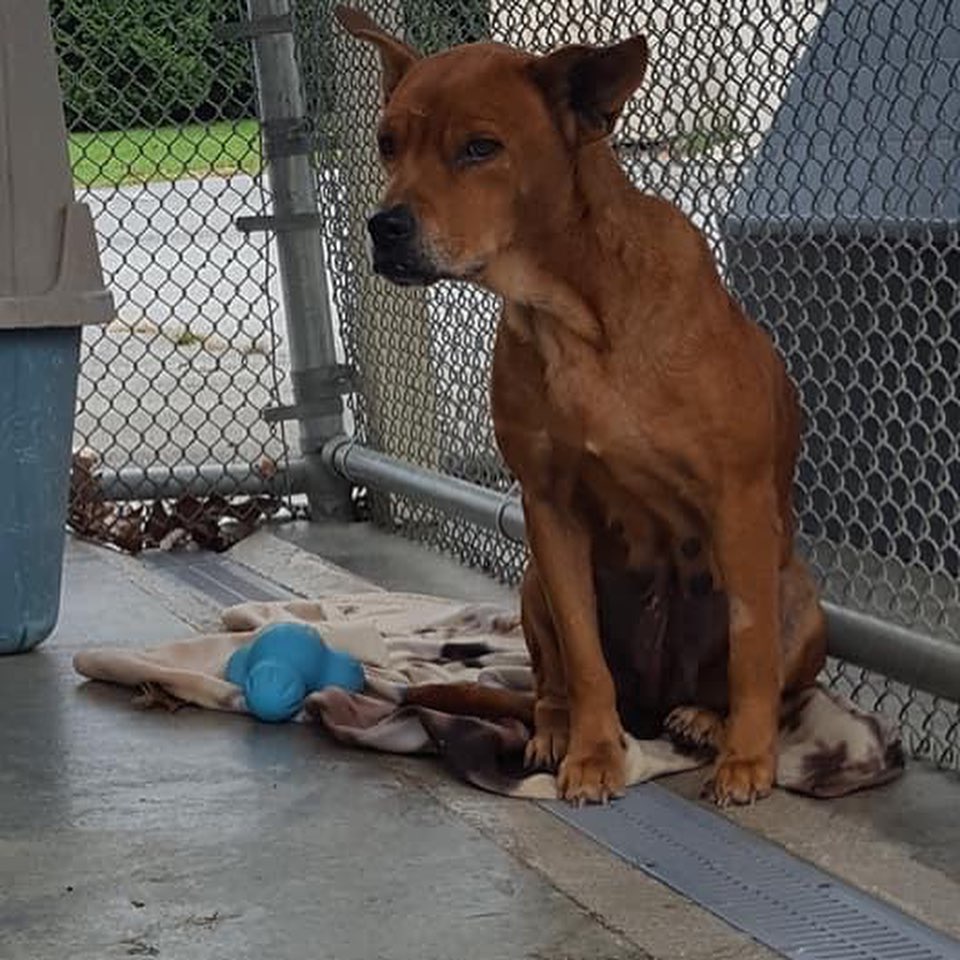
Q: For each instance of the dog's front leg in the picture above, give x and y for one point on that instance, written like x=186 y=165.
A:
x=551 y=712
x=748 y=551
x=594 y=766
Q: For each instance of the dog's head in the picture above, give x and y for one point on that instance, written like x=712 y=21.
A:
x=480 y=143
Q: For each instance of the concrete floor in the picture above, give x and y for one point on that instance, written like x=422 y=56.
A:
x=127 y=833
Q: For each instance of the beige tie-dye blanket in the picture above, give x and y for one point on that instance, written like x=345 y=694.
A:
x=828 y=747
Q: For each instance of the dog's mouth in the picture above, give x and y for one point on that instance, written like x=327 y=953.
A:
x=405 y=272
x=418 y=273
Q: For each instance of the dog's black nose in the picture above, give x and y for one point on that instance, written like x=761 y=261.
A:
x=392 y=226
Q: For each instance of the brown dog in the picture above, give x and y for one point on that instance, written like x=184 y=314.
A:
x=650 y=424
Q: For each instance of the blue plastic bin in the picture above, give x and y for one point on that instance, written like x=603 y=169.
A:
x=38 y=390
x=51 y=284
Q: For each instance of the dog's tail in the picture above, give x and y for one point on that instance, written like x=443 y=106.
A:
x=473 y=700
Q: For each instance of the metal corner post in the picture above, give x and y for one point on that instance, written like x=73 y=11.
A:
x=316 y=378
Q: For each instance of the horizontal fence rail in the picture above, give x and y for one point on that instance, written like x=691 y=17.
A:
x=903 y=655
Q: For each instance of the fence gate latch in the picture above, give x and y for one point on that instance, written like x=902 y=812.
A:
x=248 y=29
x=318 y=386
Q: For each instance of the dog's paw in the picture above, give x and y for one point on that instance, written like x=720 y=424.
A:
x=548 y=745
x=595 y=775
x=545 y=750
x=694 y=728
x=740 y=781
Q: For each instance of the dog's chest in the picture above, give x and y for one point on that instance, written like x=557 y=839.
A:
x=574 y=396
x=571 y=416
x=589 y=409
x=626 y=444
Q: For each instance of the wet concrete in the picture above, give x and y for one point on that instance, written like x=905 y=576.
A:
x=198 y=835
x=129 y=833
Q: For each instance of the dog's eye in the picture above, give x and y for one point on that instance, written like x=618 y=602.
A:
x=387 y=146
x=479 y=149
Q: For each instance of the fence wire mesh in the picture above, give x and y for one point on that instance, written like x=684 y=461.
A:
x=165 y=149
x=815 y=144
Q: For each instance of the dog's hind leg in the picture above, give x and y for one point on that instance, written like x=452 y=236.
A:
x=695 y=728
x=803 y=627
x=803 y=642
x=551 y=723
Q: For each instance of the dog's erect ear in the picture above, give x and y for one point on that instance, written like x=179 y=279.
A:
x=592 y=83
x=396 y=57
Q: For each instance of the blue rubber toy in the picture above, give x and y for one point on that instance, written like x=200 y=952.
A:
x=285 y=662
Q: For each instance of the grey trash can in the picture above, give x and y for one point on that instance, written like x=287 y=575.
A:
x=50 y=285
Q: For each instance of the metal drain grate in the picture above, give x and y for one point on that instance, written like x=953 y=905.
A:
x=222 y=580
x=783 y=902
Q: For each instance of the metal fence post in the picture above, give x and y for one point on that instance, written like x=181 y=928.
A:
x=384 y=384
x=317 y=380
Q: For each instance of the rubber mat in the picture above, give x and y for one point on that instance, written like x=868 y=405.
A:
x=781 y=901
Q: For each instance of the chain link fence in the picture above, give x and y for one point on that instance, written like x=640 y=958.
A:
x=816 y=146
x=165 y=149
x=811 y=141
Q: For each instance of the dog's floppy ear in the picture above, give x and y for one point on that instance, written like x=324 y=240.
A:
x=592 y=83
x=396 y=57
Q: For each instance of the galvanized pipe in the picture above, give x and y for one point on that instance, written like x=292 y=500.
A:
x=134 y=483
x=913 y=658
x=921 y=661
x=481 y=506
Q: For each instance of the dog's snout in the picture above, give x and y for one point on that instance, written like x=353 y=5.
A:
x=392 y=226
x=397 y=250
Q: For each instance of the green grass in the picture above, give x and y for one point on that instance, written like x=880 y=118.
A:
x=167 y=153
x=187 y=338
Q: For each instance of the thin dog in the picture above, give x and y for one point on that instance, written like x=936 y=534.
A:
x=651 y=424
